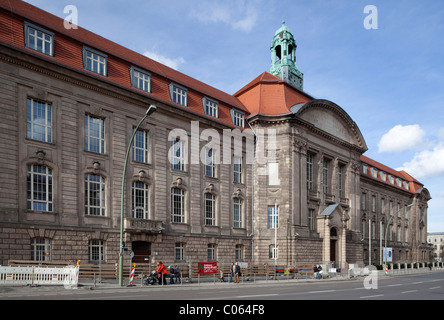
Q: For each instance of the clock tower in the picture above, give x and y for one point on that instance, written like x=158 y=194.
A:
x=283 y=58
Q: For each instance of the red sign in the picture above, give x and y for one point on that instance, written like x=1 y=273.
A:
x=206 y=267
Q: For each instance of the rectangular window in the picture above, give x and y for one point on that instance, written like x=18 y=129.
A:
x=373 y=203
x=341 y=181
x=210 y=209
x=209 y=163
x=239 y=255
x=140 y=205
x=39 y=39
x=325 y=174
x=39 y=188
x=272 y=252
x=237 y=213
x=273 y=217
x=237 y=169
x=178 y=94
x=94 y=195
x=177 y=156
x=211 y=252
x=179 y=252
x=363 y=201
x=94 y=134
x=311 y=219
x=309 y=171
x=40 y=249
x=96 y=250
x=38 y=121
x=211 y=107
x=238 y=118
x=140 y=146
x=95 y=61
x=140 y=79
x=177 y=205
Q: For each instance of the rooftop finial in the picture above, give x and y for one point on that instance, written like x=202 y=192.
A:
x=283 y=22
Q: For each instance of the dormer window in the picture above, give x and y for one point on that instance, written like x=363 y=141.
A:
x=140 y=79
x=39 y=39
x=95 y=61
x=211 y=107
x=178 y=94
x=238 y=118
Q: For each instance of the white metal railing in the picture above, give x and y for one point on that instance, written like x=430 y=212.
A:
x=17 y=276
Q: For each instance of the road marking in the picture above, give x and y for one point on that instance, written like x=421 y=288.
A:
x=409 y=291
x=322 y=291
x=394 y=285
x=419 y=282
x=258 y=295
x=435 y=288
x=376 y=295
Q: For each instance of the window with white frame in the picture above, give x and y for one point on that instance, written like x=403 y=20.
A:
x=140 y=79
x=39 y=188
x=238 y=118
x=237 y=213
x=94 y=195
x=140 y=146
x=309 y=171
x=325 y=175
x=179 y=251
x=211 y=107
x=95 y=61
x=40 y=249
x=209 y=163
x=272 y=251
x=311 y=219
x=178 y=94
x=38 y=120
x=237 y=169
x=239 y=252
x=210 y=209
x=273 y=217
x=177 y=205
x=94 y=134
x=177 y=156
x=211 y=252
x=39 y=39
x=96 y=251
x=140 y=197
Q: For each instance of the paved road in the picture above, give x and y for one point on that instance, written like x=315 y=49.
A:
x=427 y=286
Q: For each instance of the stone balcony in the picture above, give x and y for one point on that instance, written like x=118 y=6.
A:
x=142 y=225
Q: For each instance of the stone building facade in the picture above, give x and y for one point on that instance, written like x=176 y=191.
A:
x=70 y=102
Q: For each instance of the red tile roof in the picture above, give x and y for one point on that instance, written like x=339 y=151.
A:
x=413 y=184
x=270 y=95
x=69 y=43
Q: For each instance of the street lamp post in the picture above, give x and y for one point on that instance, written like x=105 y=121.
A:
x=386 y=230
x=150 y=110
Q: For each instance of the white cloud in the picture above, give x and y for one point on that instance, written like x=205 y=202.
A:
x=239 y=14
x=172 y=63
x=401 y=138
x=427 y=163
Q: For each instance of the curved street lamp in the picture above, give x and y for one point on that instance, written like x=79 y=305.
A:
x=386 y=230
x=150 y=111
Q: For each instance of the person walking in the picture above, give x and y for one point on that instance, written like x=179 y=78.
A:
x=237 y=272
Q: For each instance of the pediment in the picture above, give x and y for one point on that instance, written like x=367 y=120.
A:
x=330 y=119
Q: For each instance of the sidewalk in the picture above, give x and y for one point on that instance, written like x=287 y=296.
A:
x=107 y=284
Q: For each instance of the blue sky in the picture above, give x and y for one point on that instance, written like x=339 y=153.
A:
x=390 y=80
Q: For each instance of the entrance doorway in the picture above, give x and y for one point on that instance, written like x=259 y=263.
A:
x=333 y=241
x=142 y=251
